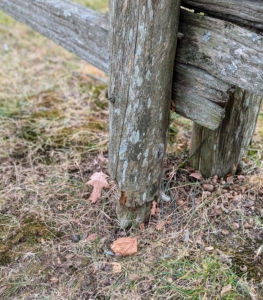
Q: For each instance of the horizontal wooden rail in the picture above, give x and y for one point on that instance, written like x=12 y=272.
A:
x=248 y=12
x=213 y=54
x=74 y=27
x=227 y=51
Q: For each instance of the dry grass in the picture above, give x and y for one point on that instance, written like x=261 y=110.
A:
x=53 y=126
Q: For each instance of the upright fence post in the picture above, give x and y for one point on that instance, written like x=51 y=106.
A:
x=218 y=152
x=143 y=38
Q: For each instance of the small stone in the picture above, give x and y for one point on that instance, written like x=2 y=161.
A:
x=235 y=226
x=208 y=187
x=207 y=194
x=223 y=182
x=109 y=253
x=224 y=191
x=118 y=255
x=249 y=203
x=75 y=238
x=180 y=202
x=209 y=248
x=214 y=180
x=215 y=177
x=243 y=268
x=225 y=232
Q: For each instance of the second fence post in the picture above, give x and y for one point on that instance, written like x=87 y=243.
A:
x=143 y=36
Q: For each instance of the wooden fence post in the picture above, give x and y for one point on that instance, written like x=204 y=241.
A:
x=143 y=38
x=217 y=152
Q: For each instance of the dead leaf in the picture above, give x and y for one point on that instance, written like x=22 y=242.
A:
x=54 y=279
x=226 y=289
x=229 y=179
x=98 y=181
x=91 y=237
x=197 y=176
x=59 y=261
x=116 y=268
x=247 y=226
x=134 y=277
x=154 y=208
x=160 y=225
x=102 y=158
x=126 y=246
x=169 y=221
x=199 y=239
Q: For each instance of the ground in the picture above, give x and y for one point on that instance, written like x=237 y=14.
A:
x=204 y=243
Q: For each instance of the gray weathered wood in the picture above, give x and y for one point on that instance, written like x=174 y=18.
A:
x=196 y=92
x=85 y=33
x=245 y=12
x=74 y=27
x=226 y=51
x=218 y=152
x=143 y=37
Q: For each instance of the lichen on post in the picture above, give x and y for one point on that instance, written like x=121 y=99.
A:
x=143 y=38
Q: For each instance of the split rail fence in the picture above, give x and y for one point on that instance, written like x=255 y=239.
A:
x=209 y=61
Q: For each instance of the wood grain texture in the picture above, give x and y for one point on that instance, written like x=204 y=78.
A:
x=195 y=92
x=226 y=51
x=78 y=29
x=244 y=12
x=143 y=37
x=217 y=152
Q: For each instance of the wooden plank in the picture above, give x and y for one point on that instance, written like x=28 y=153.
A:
x=143 y=36
x=194 y=90
x=244 y=12
x=76 y=28
x=226 y=51
x=218 y=152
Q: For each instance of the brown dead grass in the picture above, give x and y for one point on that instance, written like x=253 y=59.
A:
x=53 y=126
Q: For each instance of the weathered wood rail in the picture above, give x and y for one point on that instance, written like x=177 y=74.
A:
x=217 y=80
x=237 y=11
x=227 y=52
